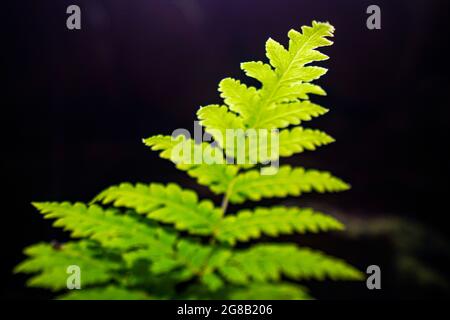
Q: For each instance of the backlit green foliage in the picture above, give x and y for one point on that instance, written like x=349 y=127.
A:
x=141 y=241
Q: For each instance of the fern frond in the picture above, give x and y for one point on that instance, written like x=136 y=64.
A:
x=160 y=261
x=298 y=139
x=260 y=71
x=286 y=114
x=217 y=177
x=277 y=104
x=219 y=118
x=189 y=259
x=114 y=230
x=178 y=262
x=288 y=80
x=239 y=98
x=286 y=182
x=268 y=262
x=185 y=153
x=247 y=224
x=290 y=141
x=218 y=122
x=193 y=254
x=163 y=143
x=106 y=293
x=51 y=264
x=109 y=227
x=167 y=204
x=139 y=253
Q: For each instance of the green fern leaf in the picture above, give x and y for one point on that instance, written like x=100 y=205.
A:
x=218 y=121
x=266 y=262
x=260 y=71
x=273 y=222
x=185 y=153
x=219 y=118
x=290 y=141
x=170 y=244
x=286 y=114
x=240 y=98
x=286 y=182
x=288 y=81
x=298 y=139
x=189 y=259
x=168 y=204
x=109 y=227
x=217 y=177
x=162 y=143
x=51 y=264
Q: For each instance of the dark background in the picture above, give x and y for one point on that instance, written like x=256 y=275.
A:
x=77 y=103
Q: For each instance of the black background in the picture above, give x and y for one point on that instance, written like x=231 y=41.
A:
x=77 y=103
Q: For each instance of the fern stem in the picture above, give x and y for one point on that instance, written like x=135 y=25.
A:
x=225 y=201
x=226 y=197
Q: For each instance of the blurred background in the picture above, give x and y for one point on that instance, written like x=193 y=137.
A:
x=76 y=104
